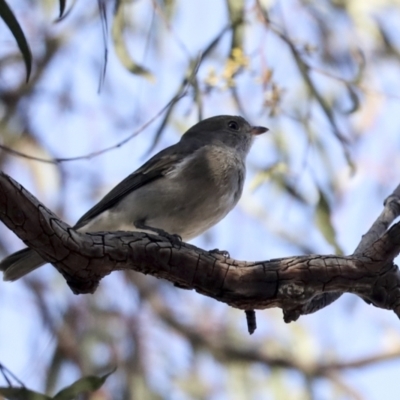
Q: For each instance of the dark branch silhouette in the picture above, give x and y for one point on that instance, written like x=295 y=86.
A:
x=298 y=285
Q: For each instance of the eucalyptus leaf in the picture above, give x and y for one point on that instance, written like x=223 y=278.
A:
x=83 y=385
x=8 y=17
x=120 y=45
x=236 y=16
x=22 y=393
x=62 y=8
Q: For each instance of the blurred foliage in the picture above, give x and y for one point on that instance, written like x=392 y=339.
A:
x=119 y=43
x=322 y=75
x=81 y=386
x=9 y=18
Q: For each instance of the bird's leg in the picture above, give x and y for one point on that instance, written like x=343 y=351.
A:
x=173 y=238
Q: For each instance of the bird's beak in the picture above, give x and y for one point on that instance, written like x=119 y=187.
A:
x=258 y=130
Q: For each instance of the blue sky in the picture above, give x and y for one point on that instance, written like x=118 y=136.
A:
x=255 y=230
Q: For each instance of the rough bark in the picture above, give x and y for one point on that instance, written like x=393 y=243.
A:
x=298 y=285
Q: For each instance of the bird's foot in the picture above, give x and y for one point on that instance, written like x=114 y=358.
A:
x=219 y=252
x=175 y=239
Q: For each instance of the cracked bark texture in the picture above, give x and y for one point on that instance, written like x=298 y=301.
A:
x=299 y=285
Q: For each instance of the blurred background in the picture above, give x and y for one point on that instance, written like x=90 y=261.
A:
x=323 y=75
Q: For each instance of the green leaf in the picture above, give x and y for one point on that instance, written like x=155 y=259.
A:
x=324 y=222
x=22 y=394
x=62 y=8
x=8 y=17
x=120 y=46
x=236 y=17
x=86 y=384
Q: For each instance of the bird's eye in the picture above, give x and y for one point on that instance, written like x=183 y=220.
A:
x=233 y=125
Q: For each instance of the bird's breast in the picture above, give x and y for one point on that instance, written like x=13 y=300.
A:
x=213 y=182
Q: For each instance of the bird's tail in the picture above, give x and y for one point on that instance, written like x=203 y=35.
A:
x=18 y=264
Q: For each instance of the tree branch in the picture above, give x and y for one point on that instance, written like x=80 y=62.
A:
x=290 y=283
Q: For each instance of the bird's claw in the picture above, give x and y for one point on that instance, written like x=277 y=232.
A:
x=175 y=239
x=223 y=253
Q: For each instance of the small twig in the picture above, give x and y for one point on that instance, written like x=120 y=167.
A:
x=344 y=387
x=390 y=212
x=365 y=89
x=99 y=152
x=251 y=321
x=191 y=80
x=104 y=29
x=5 y=371
x=169 y=27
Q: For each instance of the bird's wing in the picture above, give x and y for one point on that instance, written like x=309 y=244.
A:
x=155 y=168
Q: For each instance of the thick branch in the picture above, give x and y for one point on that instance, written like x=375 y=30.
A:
x=289 y=283
x=390 y=212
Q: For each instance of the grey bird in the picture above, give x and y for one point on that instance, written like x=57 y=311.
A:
x=183 y=190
